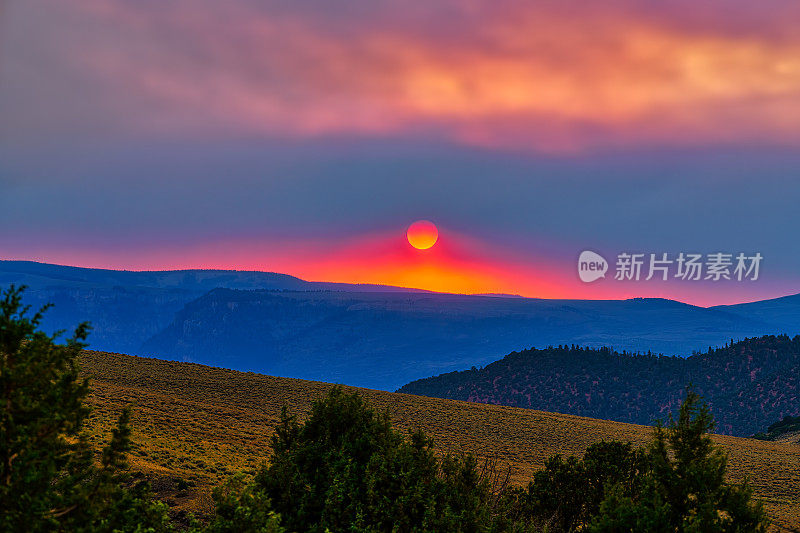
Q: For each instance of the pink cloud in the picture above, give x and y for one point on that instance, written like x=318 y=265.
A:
x=536 y=76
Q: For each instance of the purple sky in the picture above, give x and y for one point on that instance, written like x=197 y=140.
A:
x=300 y=138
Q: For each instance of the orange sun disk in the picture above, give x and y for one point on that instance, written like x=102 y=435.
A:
x=422 y=234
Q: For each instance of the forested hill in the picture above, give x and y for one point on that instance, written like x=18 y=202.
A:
x=748 y=384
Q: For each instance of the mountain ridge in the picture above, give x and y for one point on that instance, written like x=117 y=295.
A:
x=377 y=340
x=748 y=384
x=374 y=336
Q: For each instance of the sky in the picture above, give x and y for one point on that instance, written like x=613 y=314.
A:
x=304 y=137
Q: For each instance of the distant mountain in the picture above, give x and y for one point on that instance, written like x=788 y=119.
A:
x=781 y=312
x=382 y=340
x=748 y=384
x=43 y=275
x=366 y=335
x=125 y=307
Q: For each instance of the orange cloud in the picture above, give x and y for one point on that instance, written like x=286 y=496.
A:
x=530 y=75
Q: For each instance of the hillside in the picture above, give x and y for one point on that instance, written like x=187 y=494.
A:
x=748 y=383
x=785 y=430
x=195 y=425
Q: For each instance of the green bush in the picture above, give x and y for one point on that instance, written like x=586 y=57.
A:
x=675 y=485
x=567 y=493
x=243 y=508
x=347 y=469
x=685 y=490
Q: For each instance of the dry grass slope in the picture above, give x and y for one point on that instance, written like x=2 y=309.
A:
x=195 y=425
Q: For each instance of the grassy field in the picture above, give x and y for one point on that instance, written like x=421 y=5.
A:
x=195 y=425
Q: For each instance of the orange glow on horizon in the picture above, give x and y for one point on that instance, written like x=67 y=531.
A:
x=457 y=264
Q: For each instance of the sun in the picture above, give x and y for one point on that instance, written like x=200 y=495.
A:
x=422 y=234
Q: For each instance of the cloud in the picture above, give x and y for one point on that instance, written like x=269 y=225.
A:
x=553 y=77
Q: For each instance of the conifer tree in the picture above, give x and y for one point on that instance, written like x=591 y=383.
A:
x=686 y=489
x=49 y=476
